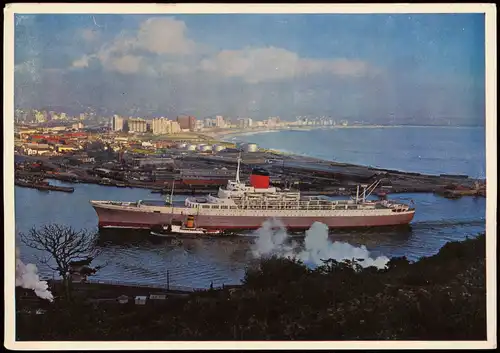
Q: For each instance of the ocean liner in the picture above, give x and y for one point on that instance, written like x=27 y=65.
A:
x=240 y=206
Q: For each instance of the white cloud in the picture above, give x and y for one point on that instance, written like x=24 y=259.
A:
x=164 y=36
x=127 y=64
x=253 y=65
x=82 y=62
x=174 y=68
x=166 y=49
x=270 y=64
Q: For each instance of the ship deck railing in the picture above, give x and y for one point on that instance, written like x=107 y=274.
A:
x=293 y=205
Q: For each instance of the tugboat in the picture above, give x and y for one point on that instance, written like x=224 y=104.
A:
x=180 y=228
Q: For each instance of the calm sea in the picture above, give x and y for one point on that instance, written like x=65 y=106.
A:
x=432 y=150
x=136 y=257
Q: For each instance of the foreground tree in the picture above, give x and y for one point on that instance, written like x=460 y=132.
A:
x=62 y=247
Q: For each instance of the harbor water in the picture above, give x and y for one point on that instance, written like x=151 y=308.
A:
x=133 y=256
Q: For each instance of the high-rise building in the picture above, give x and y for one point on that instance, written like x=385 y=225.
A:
x=118 y=123
x=219 y=121
x=208 y=123
x=161 y=126
x=137 y=125
x=187 y=122
x=199 y=125
x=175 y=127
x=245 y=122
x=164 y=126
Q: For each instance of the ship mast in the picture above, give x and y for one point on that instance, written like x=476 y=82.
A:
x=238 y=169
x=172 y=193
x=172 y=203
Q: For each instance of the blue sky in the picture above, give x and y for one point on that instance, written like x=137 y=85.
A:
x=368 y=66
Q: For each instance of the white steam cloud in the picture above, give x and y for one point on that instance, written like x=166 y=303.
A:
x=272 y=239
x=27 y=277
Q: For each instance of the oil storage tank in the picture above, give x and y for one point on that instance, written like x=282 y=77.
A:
x=251 y=147
x=205 y=148
x=218 y=148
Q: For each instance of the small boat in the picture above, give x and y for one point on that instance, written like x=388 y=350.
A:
x=105 y=181
x=181 y=228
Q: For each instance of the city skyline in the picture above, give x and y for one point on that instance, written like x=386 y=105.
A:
x=426 y=69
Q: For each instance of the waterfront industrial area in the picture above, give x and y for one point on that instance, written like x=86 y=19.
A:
x=195 y=163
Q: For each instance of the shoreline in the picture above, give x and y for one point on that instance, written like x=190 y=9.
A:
x=258 y=130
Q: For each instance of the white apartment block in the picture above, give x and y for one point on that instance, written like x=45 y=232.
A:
x=219 y=121
x=118 y=123
x=137 y=125
x=161 y=126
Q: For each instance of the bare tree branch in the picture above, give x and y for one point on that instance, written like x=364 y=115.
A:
x=63 y=245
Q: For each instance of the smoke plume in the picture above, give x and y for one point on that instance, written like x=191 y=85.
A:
x=273 y=239
x=27 y=277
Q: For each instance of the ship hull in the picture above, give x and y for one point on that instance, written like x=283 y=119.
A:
x=123 y=218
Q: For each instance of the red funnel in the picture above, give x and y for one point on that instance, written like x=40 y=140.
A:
x=259 y=179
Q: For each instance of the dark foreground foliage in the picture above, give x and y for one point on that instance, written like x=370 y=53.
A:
x=442 y=297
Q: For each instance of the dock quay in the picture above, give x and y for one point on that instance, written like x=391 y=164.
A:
x=198 y=173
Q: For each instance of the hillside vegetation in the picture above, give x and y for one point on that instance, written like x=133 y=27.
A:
x=442 y=297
